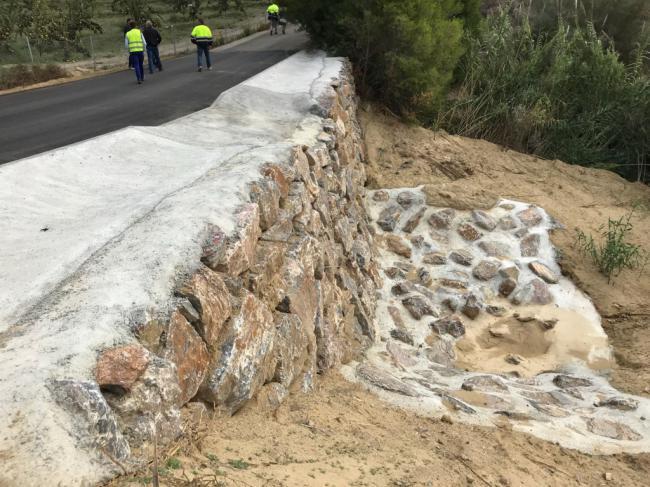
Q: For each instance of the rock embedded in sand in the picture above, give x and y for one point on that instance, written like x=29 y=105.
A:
x=568 y=381
x=534 y=292
x=507 y=286
x=452 y=302
x=397 y=317
x=398 y=245
x=394 y=272
x=424 y=276
x=472 y=307
x=544 y=272
x=484 y=383
x=381 y=196
x=612 y=429
x=486 y=270
x=494 y=249
x=522 y=232
x=388 y=218
x=441 y=352
x=449 y=325
x=434 y=258
x=412 y=223
x=530 y=216
x=441 y=220
x=402 y=288
x=384 y=380
x=402 y=335
x=400 y=356
x=511 y=272
x=462 y=257
x=499 y=330
x=468 y=232
x=529 y=245
x=405 y=266
x=514 y=359
x=456 y=404
x=483 y=220
x=406 y=199
x=418 y=307
x=617 y=402
x=496 y=310
x=453 y=283
x=507 y=223
x=507 y=206
x=418 y=241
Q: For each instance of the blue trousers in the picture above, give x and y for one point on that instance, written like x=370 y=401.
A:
x=203 y=47
x=153 y=56
x=137 y=59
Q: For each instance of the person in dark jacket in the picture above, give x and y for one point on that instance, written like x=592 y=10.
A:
x=127 y=27
x=153 y=39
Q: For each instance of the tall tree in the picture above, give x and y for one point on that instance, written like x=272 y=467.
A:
x=404 y=52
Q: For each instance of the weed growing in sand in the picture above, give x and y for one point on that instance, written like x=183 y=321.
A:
x=173 y=463
x=614 y=253
x=239 y=464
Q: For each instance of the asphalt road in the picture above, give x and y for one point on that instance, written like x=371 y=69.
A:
x=42 y=119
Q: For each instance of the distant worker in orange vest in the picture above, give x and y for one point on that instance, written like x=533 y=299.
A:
x=202 y=37
x=135 y=44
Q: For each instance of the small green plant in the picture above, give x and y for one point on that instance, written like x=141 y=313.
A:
x=173 y=463
x=614 y=253
x=239 y=464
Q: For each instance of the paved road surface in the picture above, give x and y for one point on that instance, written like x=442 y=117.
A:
x=35 y=121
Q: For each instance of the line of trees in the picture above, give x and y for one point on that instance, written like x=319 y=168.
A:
x=55 y=23
x=48 y=21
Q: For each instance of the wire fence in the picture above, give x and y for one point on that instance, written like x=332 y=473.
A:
x=98 y=50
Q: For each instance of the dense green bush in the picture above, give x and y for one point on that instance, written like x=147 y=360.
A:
x=404 y=51
x=562 y=95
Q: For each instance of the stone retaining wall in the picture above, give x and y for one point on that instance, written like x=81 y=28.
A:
x=288 y=294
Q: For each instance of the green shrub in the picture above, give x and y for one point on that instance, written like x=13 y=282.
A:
x=404 y=52
x=563 y=95
x=614 y=253
x=173 y=463
x=239 y=464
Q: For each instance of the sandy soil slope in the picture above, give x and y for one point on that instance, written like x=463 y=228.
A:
x=343 y=435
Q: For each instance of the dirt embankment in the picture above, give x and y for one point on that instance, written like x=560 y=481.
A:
x=342 y=435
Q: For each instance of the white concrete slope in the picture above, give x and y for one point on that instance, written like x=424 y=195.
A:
x=96 y=233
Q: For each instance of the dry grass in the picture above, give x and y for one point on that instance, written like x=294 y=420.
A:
x=24 y=75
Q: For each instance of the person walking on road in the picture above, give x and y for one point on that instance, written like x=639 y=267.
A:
x=153 y=39
x=135 y=44
x=127 y=27
x=273 y=14
x=283 y=19
x=202 y=37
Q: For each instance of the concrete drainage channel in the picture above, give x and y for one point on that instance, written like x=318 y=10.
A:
x=476 y=321
x=241 y=262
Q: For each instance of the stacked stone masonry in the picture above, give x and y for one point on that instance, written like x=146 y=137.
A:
x=287 y=295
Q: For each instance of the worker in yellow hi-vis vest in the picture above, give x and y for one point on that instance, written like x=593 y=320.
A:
x=135 y=44
x=273 y=15
x=202 y=37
